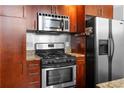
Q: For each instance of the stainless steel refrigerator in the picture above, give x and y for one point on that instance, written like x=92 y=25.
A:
x=104 y=50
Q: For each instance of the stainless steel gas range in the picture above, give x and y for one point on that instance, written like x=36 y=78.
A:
x=57 y=68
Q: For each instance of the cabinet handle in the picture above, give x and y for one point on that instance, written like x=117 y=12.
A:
x=51 y=9
x=100 y=12
x=33 y=65
x=34 y=24
x=33 y=74
x=21 y=66
x=34 y=82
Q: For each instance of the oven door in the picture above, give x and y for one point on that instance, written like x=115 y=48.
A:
x=50 y=24
x=59 y=77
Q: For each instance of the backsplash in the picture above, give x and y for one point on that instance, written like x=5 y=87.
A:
x=78 y=44
x=32 y=38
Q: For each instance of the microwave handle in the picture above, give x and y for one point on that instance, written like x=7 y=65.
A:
x=62 y=24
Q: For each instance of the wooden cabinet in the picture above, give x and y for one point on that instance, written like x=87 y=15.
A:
x=0 y=54
x=33 y=71
x=105 y=11
x=62 y=10
x=91 y=10
x=80 y=18
x=71 y=11
x=73 y=18
x=81 y=74
x=12 y=11
x=30 y=14
x=13 y=48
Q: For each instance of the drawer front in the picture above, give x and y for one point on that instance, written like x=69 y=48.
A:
x=34 y=78
x=34 y=84
x=34 y=74
x=34 y=69
x=81 y=58
x=34 y=66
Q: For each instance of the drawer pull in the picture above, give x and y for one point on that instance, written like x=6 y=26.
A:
x=32 y=74
x=35 y=82
x=31 y=65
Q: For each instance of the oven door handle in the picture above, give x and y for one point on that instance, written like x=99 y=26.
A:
x=53 y=68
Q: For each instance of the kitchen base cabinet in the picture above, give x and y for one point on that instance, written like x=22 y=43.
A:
x=12 y=31
x=33 y=74
x=81 y=74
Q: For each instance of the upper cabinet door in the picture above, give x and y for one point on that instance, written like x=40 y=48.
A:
x=73 y=18
x=80 y=18
x=107 y=11
x=30 y=13
x=11 y=10
x=91 y=10
x=62 y=10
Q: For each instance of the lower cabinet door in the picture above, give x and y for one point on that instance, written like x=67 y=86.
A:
x=80 y=80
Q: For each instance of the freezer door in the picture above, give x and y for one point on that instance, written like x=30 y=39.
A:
x=102 y=32
x=118 y=57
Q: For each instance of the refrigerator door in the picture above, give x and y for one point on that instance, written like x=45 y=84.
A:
x=118 y=57
x=102 y=34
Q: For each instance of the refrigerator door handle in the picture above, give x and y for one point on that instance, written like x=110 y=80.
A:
x=113 y=46
x=109 y=47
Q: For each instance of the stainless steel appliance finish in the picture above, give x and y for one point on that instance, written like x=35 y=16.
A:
x=104 y=50
x=118 y=49
x=58 y=69
x=59 y=77
x=44 y=46
x=52 y=22
x=102 y=33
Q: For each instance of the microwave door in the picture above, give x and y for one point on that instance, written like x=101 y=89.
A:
x=53 y=24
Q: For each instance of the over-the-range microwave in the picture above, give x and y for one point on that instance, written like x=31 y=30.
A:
x=53 y=22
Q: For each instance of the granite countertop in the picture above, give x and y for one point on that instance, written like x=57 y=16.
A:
x=119 y=83
x=76 y=54
x=30 y=56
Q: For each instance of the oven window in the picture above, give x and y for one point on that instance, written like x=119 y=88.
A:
x=59 y=76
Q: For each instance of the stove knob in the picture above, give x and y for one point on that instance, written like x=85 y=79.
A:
x=68 y=61
x=52 y=62
x=49 y=62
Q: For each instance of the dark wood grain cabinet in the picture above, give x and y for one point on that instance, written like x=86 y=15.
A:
x=30 y=14
x=73 y=18
x=80 y=72
x=91 y=10
x=33 y=74
x=80 y=18
x=105 y=11
x=13 y=48
x=62 y=10
x=11 y=11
